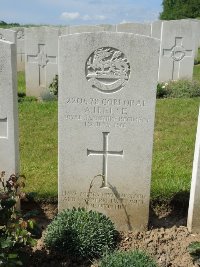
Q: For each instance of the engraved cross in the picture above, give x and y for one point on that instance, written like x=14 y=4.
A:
x=42 y=60
x=177 y=53
x=105 y=153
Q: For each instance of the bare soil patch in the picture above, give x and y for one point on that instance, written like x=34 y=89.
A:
x=166 y=240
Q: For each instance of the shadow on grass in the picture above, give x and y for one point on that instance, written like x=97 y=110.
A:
x=169 y=213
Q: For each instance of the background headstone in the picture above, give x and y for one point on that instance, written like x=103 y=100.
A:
x=194 y=204
x=137 y=28
x=8 y=35
x=156 y=29
x=85 y=28
x=177 y=50
x=20 y=48
x=64 y=30
x=195 y=25
x=41 y=54
x=109 y=27
x=9 y=140
x=107 y=94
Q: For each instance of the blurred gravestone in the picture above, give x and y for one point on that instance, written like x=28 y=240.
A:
x=84 y=28
x=9 y=146
x=177 y=50
x=8 y=35
x=156 y=29
x=20 y=48
x=41 y=53
x=107 y=98
x=109 y=27
x=137 y=28
x=194 y=204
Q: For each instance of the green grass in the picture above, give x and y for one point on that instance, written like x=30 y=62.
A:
x=174 y=139
x=38 y=146
x=21 y=83
x=196 y=72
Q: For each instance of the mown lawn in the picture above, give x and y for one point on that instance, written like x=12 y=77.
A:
x=174 y=139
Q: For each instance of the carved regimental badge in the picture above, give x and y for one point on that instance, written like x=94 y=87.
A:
x=2 y=37
x=107 y=70
x=20 y=34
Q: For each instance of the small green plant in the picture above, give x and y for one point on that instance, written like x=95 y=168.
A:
x=15 y=232
x=127 y=259
x=179 y=89
x=23 y=98
x=162 y=91
x=82 y=233
x=47 y=96
x=194 y=250
x=54 y=86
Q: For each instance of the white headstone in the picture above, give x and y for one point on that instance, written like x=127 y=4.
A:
x=85 y=28
x=109 y=27
x=64 y=30
x=9 y=146
x=195 y=28
x=177 y=50
x=8 y=35
x=156 y=29
x=20 y=48
x=137 y=28
x=194 y=204
x=107 y=94
x=41 y=53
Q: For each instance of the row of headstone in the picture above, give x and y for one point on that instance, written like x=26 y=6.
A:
x=106 y=106
x=9 y=140
x=107 y=96
x=37 y=48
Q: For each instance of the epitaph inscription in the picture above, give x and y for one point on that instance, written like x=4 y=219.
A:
x=107 y=70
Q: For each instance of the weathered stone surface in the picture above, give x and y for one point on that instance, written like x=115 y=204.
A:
x=194 y=204
x=9 y=141
x=156 y=29
x=85 y=28
x=195 y=25
x=107 y=95
x=137 y=28
x=8 y=35
x=177 y=50
x=41 y=53
x=20 y=48
x=109 y=27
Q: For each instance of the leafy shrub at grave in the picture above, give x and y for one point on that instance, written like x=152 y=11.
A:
x=82 y=233
x=126 y=259
x=54 y=86
x=178 y=89
x=15 y=232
